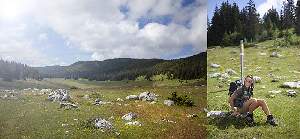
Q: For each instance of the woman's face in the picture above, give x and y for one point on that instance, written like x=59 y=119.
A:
x=248 y=82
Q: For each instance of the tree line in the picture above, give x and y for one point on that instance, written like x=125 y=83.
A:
x=229 y=24
x=10 y=71
x=193 y=67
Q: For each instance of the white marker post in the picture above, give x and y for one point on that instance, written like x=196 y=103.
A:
x=242 y=60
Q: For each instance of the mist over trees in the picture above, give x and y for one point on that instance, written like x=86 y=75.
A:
x=10 y=71
x=231 y=23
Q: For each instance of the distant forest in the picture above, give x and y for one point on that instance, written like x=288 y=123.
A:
x=229 y=24
x=15 y=71
x=193 y=67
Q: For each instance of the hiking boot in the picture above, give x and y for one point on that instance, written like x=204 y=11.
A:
x=271 y=120
x=250 y=119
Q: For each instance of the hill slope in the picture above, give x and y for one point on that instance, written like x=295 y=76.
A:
x=126 y=68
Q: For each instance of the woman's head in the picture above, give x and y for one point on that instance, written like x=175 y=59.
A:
x=248 y=81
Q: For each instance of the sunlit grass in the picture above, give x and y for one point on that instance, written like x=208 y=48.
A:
x=285 y=109
x=32 y=116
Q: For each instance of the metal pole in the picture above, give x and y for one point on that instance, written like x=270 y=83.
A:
x=242 y=60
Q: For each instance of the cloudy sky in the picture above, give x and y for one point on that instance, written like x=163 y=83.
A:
x=61 y=32
x=262 y=6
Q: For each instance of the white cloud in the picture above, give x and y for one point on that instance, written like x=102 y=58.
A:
x=98 y=26
x=265 y=6
x=16 y=47
x=43 y=37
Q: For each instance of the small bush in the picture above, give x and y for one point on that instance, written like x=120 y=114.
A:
x=181 y=100
x=141 y=78
x=73 y=87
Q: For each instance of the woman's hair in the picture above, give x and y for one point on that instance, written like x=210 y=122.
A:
x=252 y=84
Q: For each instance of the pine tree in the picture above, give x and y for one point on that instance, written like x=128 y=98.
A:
x=236 y=18
x=252 y=21
x=274 y=17
x=298 y=17
x=289 y=14
x=214 y=34
x=269 y=26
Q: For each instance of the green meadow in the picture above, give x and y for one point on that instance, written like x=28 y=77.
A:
x=274 y=71
x=31 y=115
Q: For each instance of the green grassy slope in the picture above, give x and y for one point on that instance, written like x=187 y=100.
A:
x=285 y=109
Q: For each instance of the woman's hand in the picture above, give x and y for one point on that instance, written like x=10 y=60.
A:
x=235 y=113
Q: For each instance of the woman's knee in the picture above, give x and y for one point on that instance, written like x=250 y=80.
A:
x=253 y=100
x=261 y=101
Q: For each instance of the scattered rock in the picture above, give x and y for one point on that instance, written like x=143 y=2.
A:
x=214 y=75
x=132 y=97
x=103 y=124
x=35 y=90
x=192 y=115
x=134 y=123
x=119 y=104
x=275 y=54
x=119 y=99
x=129 y=116
x=169 y=121
x=257 y=79
x=297 y=72
x=214 y=65
x=291 y=84
x=153 y=102
x=99 y=102
x=9 y=96
x=270 y=96
x=27 y=89
x=262 y=54
x=291 y=93
x=59 y=95
x=86 y=96
x=169 y=102
x=68 y=105
x=4 y=96
x=216 y=114
x=275 y=91
x=64 y=125
x=46 y=91
x=224 y=76
x=231 y=72
x=111 y=118
x=147 y=96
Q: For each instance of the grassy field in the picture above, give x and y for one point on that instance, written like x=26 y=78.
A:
x=32 y=116
x=258 y=63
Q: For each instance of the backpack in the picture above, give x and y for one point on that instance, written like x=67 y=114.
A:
x=233 y=86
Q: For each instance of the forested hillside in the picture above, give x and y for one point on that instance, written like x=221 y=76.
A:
x=193 y=67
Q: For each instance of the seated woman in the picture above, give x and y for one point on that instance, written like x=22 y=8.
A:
x=241 y=102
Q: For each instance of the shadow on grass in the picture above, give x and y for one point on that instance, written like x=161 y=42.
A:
x=227 y=121
x=218 y=91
